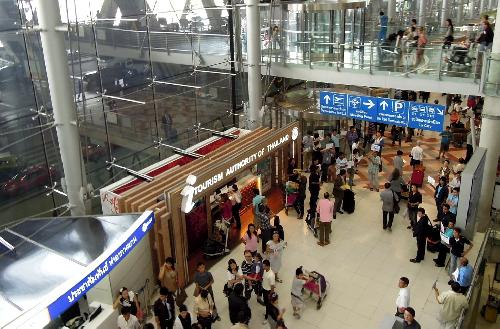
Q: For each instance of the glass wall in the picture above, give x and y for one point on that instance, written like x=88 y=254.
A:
x=142 y=70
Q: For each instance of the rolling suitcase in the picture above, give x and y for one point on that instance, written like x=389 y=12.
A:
x=348 y=203
x=417 y=176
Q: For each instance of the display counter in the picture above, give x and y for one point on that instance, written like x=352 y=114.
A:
x=106 y=319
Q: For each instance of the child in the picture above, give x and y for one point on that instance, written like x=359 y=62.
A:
x=297 y=285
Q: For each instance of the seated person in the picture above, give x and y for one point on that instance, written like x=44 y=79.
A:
x=464 y=278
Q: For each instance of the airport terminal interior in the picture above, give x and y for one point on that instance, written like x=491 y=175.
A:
x=256 y=164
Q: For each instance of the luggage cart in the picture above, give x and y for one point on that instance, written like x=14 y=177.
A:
x=217 y=246
x=317 y=288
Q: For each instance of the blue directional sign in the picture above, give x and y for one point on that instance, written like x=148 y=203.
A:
x=392 y=112
x=383 y=110
x=426 y=116
x=333 y=103
x=362 y=108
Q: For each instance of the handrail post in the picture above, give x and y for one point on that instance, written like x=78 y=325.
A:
x=371 y=57
x=440 y=63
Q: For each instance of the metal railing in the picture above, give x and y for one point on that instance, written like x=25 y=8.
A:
x=491 y=82
x=475 y=277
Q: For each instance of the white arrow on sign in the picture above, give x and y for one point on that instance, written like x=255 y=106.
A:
x=327 y=99
x=384 y=104
x=370 y=104
x=440 y=112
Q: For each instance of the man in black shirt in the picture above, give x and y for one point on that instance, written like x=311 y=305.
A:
x=314 y=186
x=164 y=309
x=456 y=250
x=238 y=303
x=446 y=215
x=420 y=232
x=299 y=201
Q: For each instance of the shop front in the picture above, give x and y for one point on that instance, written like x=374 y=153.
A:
x=186 y=199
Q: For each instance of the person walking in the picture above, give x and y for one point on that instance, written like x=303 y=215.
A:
x=326 y=211
x=445 y=142
x=203 y=309
x=396 y=182
x=338 y=190
x=336 y=142
x=417 y=155
x=448 y=38
x=297 y=287
x=403 y=300
x=453 y=302
x=389 y=201
x=398 y=161
x=383 y=22
x=265 y=225
x=374 y=163
x=470 y=149
x=274 y=252
x=301 y=196
x=421 y=44
x=164 y=309
x=420 y=233
x=414 y=201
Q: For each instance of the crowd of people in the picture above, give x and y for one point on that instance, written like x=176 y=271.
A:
x=329 y=161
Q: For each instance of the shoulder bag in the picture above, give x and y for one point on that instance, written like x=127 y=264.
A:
x=396 y=204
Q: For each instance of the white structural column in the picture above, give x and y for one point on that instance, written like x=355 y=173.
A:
x=61 y=95
x=421 y=12
x=253 y=60
x=444 y=12
x=391 y=9
x=460 y=12
x=490 y=135
x=482 y=4
x=490 y=4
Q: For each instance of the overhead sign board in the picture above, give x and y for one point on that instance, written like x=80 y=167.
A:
x=383 y=110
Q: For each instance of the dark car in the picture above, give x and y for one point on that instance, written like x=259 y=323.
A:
x=92 y=152
x=28 y=179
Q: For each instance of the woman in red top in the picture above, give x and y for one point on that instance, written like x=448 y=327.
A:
x=421 y=43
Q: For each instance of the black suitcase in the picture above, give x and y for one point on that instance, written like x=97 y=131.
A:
x=348 y=204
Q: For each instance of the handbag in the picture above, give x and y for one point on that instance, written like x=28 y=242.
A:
x=215 y=314
x=180 y=297
x=196 y=291
x=396 y=204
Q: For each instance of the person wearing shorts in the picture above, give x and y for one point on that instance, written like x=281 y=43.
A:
x=445 y=142
x=297 y=285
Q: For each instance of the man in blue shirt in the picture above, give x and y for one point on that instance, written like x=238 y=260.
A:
x=384 y=20
x=445 y=142
x=452 y=200
x=465 y=272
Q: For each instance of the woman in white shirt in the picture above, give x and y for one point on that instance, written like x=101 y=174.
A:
x=274 y=251
x=379 y=140
x=235 y=196
x=234 y=275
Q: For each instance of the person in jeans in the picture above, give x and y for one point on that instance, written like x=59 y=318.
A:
x=398 y=162
x=456 y=249
x=389 y=199
x=441 y=194
x=326 y=211
x=338 y=191
x=268 y=285
x=414 y=201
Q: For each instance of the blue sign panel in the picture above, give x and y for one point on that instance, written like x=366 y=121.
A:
x=392 y=112
x=362 y=108
x=100 y=270
x=383 y=110
x=333 y=103
x=426 y=116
